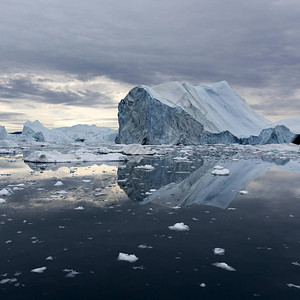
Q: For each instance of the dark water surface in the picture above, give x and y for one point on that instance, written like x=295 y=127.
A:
x=259 y=231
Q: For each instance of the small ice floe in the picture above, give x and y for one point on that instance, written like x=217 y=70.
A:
x=136 y=149
x=70 y=273
x=293 y=285
x=203 y=285
x=62 y=192
x=86 y=180
x=145 y=167
x=143 y=246
x=219 y=251
x=127 y=257
x=179 y=227
x=58 y=183
x=295 y=263
x=79 y=208
x=244 y=192
x=224 y=266
x=231 y=208
x=218 y=170
x=39 y=270
x=2 y=201
x=49 y=258
x=4 y=192
x=138 y=268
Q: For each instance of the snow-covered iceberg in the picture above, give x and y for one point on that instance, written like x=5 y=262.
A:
x=293 y=124
x=76 y=133
x=179 y=113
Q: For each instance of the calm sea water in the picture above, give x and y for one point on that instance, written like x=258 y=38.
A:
x=77 y=230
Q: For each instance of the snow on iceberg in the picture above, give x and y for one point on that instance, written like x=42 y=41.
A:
x=127 y=257
x=3 y=133
x=58 y=157
x=293 y=124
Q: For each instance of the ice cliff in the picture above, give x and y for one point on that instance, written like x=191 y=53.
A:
x=179 y=113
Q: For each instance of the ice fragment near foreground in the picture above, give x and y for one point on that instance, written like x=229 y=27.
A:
x=293 y=285
x=2 y=201
x=145 y=167
x=39 y=270
x=220 y=171
x=179 y=227
x=219 y=251
x=127 y=257
x=224 y=266
x=4 y=192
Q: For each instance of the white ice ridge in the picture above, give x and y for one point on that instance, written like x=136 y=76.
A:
x=39 y=270
x=293 y=124
x=216 y=106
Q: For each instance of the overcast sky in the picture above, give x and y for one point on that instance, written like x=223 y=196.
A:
x=66 y=62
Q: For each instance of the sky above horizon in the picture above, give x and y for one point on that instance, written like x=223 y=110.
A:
x=66 y=62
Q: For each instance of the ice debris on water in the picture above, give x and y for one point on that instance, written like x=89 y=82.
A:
x=127 y=257
x=218 y=170
x=39 y=270
x=179 y=227
x=145 y=167
x=4 y=192
x=79 y=208
x=219 y=251
x=224 y=266
x=293 y=285
x=244 y=192
x=70 y=273
x=2 y=201
x=203 y=285
x=295 y=263
x=58 y=183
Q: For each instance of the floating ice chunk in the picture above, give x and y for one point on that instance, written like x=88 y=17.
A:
x=244 y=192
x=295 y=263
x=39 y=270
x=136 y=149
x=145 y=246
x=86 y=180
x=71 y=273
x=62 y=192
x=4 y=192
x=219 y=251
x=49 y=258
x=145 y=167
x=127 y=257
x=293 y=285
x=179 y=227
x=224 y=266
x=2 y=201
x=203 y=285
x=221 y=172
x=58 y=183
x=6 y=280
x=79 y=208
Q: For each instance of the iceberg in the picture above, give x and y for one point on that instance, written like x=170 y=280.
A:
x=179 y=113
x=76 y=133
x=3 y=133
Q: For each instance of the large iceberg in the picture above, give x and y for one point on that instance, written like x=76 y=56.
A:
x=179 y=113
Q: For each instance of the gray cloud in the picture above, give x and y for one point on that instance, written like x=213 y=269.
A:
x=248 y=43
x=24 y=87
